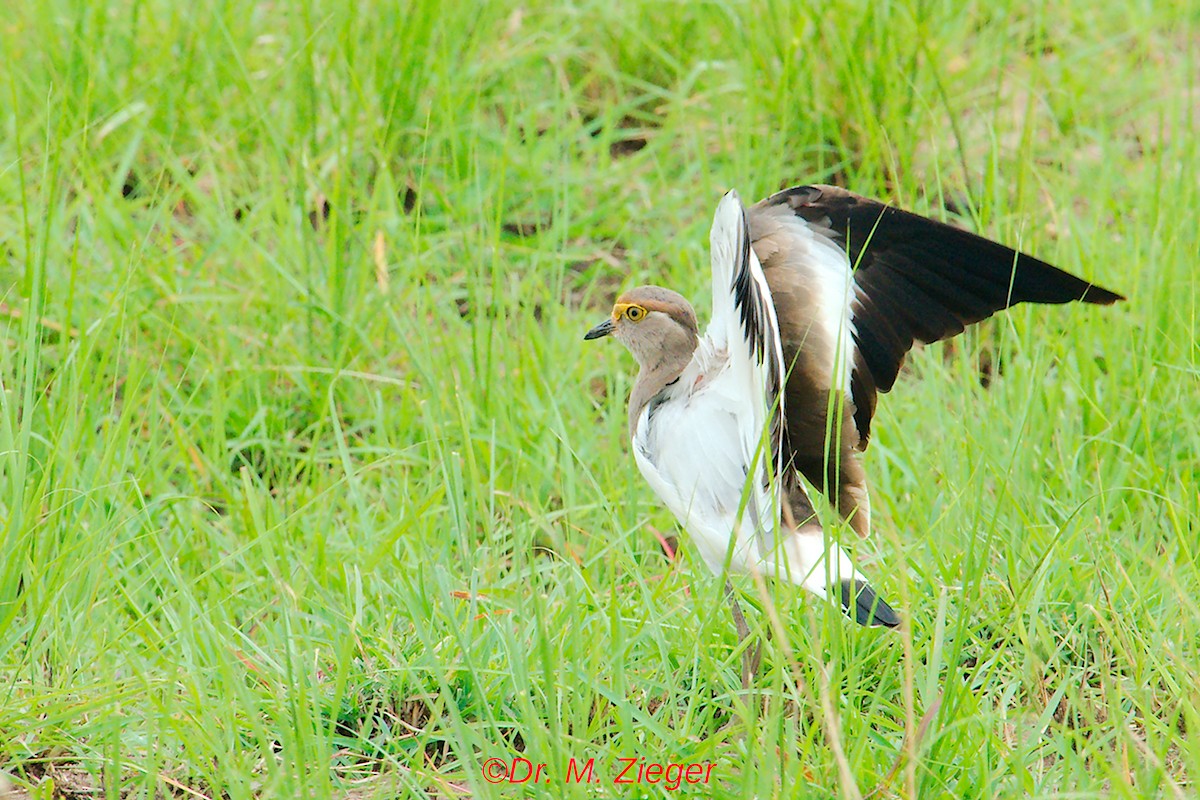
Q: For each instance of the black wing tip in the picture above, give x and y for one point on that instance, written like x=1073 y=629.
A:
x=1036 y=281
x=1098 y=295
x=860 y=601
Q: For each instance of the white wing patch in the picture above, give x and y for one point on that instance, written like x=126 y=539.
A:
x=744 y=327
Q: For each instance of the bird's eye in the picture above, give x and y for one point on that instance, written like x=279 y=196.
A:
x=635 y=313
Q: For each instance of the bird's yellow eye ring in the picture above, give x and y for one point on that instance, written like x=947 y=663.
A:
x=635 y=313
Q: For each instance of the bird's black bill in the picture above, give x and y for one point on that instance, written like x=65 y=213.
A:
x=603 y=329
x=860 y=601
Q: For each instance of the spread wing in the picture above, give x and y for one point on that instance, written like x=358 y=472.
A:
x=914 y=279
x=744 y=326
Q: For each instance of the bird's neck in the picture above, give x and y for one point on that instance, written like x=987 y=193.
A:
x=653 y=380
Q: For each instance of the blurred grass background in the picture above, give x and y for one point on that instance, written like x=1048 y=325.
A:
x=309 y=486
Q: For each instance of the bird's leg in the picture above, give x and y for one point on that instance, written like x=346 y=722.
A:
x=750 y=660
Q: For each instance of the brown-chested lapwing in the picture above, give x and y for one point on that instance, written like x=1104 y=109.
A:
x=818 y=294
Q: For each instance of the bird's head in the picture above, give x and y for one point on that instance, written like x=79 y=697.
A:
x=656 y=324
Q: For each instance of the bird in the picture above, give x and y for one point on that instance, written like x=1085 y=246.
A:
x=817 y=296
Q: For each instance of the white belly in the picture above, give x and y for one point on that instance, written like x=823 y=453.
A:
x=691 y=452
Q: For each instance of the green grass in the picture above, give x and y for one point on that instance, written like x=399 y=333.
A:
x=309 y=486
